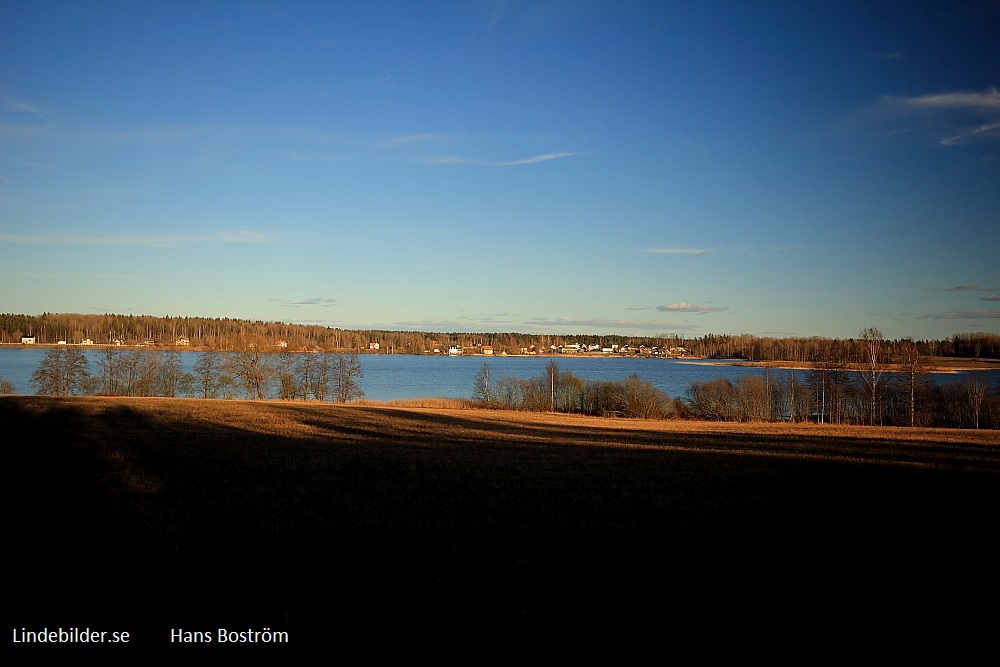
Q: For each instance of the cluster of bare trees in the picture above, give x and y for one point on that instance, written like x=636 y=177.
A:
x=138 y=373
x=837 y=396
x=250 y=373
x=859 y=391
x=65 y=371
x=561 y=391
x=830 y=392
x=62 y=372
x=319 y=377
x=841 y=350
x=287 y=376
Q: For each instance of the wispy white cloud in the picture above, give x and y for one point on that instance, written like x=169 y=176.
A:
x=243 y=236
x=973 y=287
x=546 y=157
x=956 y=117
x=314 y=301
x=153 y=241
x=449 y=159
x=964 y=315
x=988 y=101
x=596 y=323
x=684 y=307
x=893 y=55
x=9 y=101
x=536 y=159
x=409 y=139
x=678 y=251
x=985 y=132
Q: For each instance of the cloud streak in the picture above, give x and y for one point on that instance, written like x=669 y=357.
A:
x=970 y=288
x=151 y=241
x=9 y=101
x=678 y=251
x=988 y=101
x=583 y=323
x=410 y=139
x=684 y=307
x=314 y=301
x=964 y=315
x=961 y=117
x=535 y=159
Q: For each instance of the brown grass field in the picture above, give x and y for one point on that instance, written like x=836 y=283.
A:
x=318 y=519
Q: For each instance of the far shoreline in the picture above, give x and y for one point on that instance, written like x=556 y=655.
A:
x=944 y=365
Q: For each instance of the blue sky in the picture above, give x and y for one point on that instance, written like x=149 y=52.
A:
x=771 y=168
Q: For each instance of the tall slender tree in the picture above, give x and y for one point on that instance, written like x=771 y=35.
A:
x=914 y=367
x=347 y=375
x=552 y=377
x=207 y=369
x=871 y=342
x=481 y=385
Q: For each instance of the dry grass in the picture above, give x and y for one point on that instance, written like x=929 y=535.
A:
x=303 y=515
x=428 y=402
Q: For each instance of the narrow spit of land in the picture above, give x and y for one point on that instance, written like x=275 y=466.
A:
x=167 y=512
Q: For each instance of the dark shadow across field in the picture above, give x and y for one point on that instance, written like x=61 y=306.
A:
x=322 y=519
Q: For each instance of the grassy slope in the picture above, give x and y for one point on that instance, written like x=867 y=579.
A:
x=168 y=513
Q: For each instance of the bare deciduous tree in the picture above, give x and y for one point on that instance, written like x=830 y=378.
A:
x=552 y=376
x=207 y=370
x=976 y=392
x=871 y=341
x=914 y=367
x=62 y=372
x=251 y=366
x=481 y=390
x=347 y=375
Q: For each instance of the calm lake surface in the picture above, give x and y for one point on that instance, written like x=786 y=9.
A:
x=399 y=376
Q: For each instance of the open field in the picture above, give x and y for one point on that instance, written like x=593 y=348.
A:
x=184 y=512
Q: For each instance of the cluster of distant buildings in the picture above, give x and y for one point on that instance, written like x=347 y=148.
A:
x=576 y=348
x=118 y=342
x=623 y=350
x=453 y=350
x=31 y=340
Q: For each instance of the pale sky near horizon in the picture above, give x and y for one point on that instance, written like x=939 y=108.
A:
x=773 y=168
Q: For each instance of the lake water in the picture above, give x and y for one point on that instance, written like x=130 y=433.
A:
x=400 y=376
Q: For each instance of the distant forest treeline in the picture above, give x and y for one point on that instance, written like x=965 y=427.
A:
x=233 y=334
